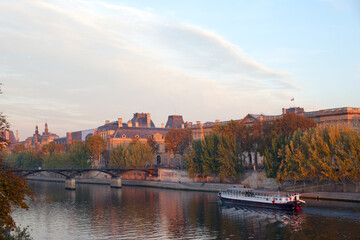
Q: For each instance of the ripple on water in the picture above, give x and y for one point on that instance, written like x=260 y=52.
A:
x=97 y=212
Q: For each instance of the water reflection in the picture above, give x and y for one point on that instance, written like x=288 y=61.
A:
x=99 y=212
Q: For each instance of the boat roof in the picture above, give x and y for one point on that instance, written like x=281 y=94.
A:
x=239 y=188
x=273 y=193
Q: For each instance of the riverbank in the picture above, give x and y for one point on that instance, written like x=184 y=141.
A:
x=204 y=187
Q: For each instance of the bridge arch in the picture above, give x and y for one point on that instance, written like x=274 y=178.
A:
x=45 y=170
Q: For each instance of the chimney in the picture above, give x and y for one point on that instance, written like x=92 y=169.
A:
x=120 y=122
x=182 y=126
x=129 y=124
x=217 y=121
x=148 y=120
x=162 y=125
x=107 y=121
x=17 y=136
x=69 y=137
x=137 y=124
x=198 y=122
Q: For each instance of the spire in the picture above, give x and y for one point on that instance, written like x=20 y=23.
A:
x=36 y=129
x=46 y=128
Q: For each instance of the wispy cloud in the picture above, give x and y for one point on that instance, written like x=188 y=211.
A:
x=89 y=61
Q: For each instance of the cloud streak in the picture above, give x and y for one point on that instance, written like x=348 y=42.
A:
x=90 y=60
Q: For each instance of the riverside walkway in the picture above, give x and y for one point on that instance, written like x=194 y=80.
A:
x=338 y=196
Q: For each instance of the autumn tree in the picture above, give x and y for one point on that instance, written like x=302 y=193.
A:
x=13 y=189
x=95 y=146
x=18 y=148
x=291 y=122
x=153 y=144
x=177 y=140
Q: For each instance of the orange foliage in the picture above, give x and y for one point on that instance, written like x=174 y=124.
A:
x=291 y=122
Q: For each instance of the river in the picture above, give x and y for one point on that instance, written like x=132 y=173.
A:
x=100 y=212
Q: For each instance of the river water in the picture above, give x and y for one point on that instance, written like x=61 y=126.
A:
x=99 y=212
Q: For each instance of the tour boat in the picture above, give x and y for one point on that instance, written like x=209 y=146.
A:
x=249 y=197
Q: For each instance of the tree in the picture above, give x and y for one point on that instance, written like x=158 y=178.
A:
x=119 y=156
x=291 y=122
x=153 y=145
x=18 y=148
x=272 y=160
x=177 y=140
x=209 y=157
x=95 y=146
x=140 y=155
x=13 y=189
x=78 y=158
x=193 y=159
x=229 y=157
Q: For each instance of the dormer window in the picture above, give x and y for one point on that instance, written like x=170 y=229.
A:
x=136 y=136
x=123 y=136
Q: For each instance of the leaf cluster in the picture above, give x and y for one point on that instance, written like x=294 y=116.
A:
x=216 y=154
x=133 y=155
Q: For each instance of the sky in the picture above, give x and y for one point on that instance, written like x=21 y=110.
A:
x=75 y=64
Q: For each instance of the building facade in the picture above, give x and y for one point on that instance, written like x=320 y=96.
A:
x=37 y=140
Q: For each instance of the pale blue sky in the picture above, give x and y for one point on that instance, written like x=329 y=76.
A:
x=75 y=64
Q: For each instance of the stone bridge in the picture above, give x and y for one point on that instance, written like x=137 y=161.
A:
x=71 y=173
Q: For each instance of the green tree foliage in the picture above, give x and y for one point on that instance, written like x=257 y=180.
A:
x=95 y=146
x=56 y=160
x=216 y=154
x=134 y=155
x=275 y=136
x=13 y=189
x=27 y=159
x=78 y=156
x=229 y=157
x=272 y=160
x=210 y=152
x=118 y=157
x=193 y=159
x=140 y=155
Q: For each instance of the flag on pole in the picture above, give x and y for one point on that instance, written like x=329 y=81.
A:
x=292 y=99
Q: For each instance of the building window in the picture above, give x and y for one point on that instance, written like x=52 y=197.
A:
x=136 y=136
x=123 y=136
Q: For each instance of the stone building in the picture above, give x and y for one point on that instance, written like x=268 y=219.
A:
x=140 y=127
x=79 y=136
x=9 y=136
x=38 y=140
